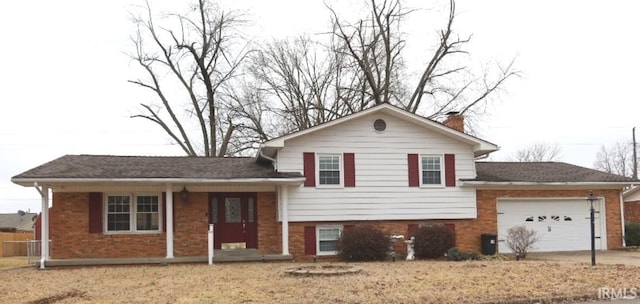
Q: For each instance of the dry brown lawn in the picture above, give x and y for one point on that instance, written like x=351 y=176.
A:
x=383 y=282
x=13 y=262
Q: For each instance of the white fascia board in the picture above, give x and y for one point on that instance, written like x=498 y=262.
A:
x=29 y=182
x=494 y=185
x=631 y=191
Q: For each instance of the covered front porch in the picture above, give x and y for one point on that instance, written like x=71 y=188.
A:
x=182 y=234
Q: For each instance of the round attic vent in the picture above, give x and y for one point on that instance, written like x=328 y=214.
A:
x=380 y=125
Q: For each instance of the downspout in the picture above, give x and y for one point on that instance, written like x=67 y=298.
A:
x=273 y=160
x=624 y=243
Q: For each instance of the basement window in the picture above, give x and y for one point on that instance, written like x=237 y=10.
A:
x=327 y=237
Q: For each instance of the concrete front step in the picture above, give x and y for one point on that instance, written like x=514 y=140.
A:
x=236 y=252
x=219 y=256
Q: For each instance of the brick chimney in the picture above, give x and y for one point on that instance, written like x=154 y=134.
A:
x=454 y=121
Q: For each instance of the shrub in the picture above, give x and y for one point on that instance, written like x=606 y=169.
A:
x=433 y=241
x=632 y=234
x=455 y=254
x=363 y=243
x=520 y=240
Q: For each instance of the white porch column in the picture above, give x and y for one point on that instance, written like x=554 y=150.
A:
x=169 y=216
x=44 y=225
x=284 y=207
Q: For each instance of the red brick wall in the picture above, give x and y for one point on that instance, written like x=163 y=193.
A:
x=269 y=229
x=632 y=211
x=487 y=199
x=467 y=234
x=70 y=237
x=191 y=225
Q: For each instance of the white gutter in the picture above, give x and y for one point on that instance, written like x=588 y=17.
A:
x=484 y=183
x=280 y=181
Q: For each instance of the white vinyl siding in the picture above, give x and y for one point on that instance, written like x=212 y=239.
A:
x=382 y=191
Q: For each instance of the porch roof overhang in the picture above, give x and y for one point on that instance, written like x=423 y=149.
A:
x=88 y=170
x=34 y=182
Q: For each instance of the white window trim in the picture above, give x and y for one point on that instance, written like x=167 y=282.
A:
x=318 y=252
x=442 y=171
x=132 y=213
x=340 y=159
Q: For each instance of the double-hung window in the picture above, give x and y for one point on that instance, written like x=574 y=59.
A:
x=329 y=169
x=327 y=238
x=132 y=213
x=431 y=170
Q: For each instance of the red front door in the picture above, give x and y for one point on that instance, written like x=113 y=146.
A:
x=234 y=218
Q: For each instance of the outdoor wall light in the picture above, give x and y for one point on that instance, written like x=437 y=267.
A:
x=184 y=194
x=591 y=199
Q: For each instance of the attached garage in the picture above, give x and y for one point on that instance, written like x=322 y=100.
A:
x=549 y=198
x=562 y=224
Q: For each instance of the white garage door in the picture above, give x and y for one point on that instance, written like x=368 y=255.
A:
x=561 y=224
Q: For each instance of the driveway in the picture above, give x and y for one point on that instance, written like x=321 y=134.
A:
x=602 y=257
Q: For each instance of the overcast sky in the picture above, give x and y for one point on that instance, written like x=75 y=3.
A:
x=64 y=90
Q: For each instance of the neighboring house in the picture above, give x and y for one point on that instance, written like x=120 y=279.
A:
x=382 y=166
x=632 y=205
x=21 y=222
x=15 y=230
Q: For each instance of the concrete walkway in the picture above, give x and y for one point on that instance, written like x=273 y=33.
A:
x=602 y=257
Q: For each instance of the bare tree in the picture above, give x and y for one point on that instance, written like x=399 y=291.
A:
x=211 y=101
x=199 y=52
x=375 y=44
x=538 y=152
x=297 y=77
x=615 y=159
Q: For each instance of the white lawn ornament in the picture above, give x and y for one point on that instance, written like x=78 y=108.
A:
x=410 y=252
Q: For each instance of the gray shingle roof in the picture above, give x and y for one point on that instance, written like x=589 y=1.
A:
x=543 y=172
x=107 y=166
x=17 y=221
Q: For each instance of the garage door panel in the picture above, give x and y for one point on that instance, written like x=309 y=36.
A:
x=560 y=224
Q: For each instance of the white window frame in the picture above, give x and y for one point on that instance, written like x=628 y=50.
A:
x=133 y=227
x=341 y=168
x=442 y=169
x=318 y=228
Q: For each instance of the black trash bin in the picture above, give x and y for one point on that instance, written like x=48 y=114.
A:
x=489 y=243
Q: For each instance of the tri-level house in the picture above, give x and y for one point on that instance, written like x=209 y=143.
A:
x=382 y=166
